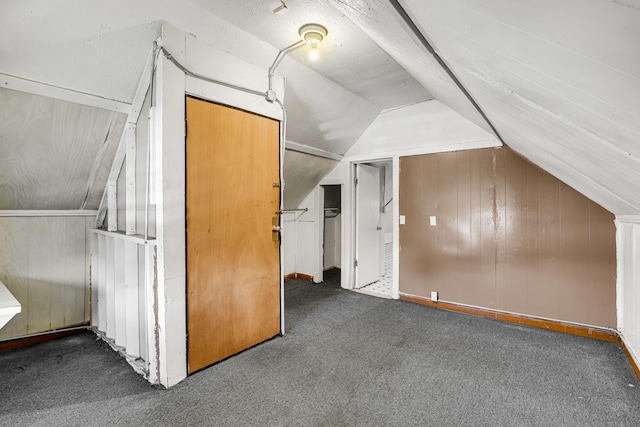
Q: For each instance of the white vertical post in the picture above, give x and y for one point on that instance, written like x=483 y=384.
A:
x=112 y=205
x=95 y=280
x=131 y=298
x=102 y=284
x=130 y=159
x=120 y=294
x=151 y=283
x=110 y=297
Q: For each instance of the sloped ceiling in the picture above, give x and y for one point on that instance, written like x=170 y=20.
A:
x=559 y=80
x=302 y=173
x=100 y=49
x=54 y=154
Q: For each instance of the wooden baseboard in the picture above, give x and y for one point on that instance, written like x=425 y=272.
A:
x=552 y=325
x=298 y=276
x=27 y=341
x=634 y=365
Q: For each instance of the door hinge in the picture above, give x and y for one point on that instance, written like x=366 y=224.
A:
x=355 y=262
x=355 y=181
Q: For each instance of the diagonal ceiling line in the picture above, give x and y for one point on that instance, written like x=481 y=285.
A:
x=418 y=33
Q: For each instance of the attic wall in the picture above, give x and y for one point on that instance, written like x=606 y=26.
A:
x=54 y=154
x=628 y=241
x=509 y=237
x=44 y=263
x=302 y=173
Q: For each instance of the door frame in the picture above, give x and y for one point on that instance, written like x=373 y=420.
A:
x=345 y=176
x=356 y=210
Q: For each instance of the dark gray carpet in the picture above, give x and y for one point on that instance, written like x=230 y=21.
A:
x=347 y=359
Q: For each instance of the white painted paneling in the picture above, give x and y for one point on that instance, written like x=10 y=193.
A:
x=628 y=286
x=203 y=59
x=428 y=127
x=101 y=321
x=383 y=25
x=289 y=250
x=559 y=80
x=309 y=229
x=329 y=255
x=42 y=263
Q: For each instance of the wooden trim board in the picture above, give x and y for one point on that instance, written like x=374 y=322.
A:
x=632 y=361
x=298 y=276
x=44 y=337
x=552 y=325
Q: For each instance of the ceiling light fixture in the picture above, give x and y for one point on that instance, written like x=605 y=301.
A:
x=313 y=35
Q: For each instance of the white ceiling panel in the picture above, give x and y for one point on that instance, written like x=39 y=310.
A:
x=559 y=80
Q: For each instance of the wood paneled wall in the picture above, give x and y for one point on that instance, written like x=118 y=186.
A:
x=44 y=263
x=508 y=236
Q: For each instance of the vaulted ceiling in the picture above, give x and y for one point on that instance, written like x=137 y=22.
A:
x=559 y=81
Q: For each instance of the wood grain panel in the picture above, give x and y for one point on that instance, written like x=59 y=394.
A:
x=413 y=237
x=233 y=292
x=54 y=153
x=510 y=237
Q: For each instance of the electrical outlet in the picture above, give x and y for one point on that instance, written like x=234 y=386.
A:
x=402 y=219
x=432 y=220
x=434 y=296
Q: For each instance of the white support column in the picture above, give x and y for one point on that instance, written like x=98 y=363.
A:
x=95 y=278
x=131 y=299
x=130 y=161
x=151 y=287
x=101 y=285
x=110 y=297
x=120 y=337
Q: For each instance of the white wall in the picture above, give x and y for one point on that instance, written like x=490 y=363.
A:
x=332 y=241
x=628 y=286
x=426 y=127
x=172 y=85
x=309 y=231
x=44 y=262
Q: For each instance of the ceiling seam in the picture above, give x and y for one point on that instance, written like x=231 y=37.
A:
x=421 y=37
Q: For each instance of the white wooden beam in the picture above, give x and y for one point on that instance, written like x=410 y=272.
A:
x=130 y=159
x=143 y=87
x=37 y=88
x=112 y=205
x=301 y=148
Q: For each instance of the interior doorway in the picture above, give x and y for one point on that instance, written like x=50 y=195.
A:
x=374 y=228
x=332 y=234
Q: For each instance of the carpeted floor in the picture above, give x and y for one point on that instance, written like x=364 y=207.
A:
x=347 y=359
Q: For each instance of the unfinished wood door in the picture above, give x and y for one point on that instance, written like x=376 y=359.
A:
x=233 y=260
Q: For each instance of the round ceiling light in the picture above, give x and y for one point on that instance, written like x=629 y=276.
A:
x=313 y=35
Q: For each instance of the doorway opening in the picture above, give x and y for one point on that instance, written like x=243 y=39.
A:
x=374 y=228
x=332 y=234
